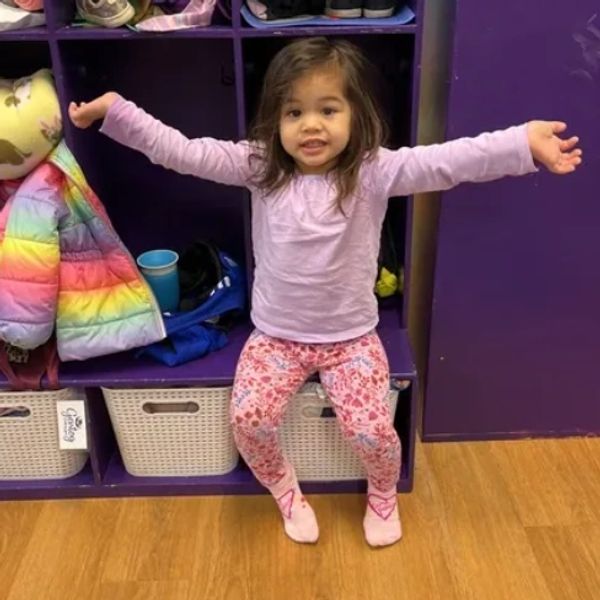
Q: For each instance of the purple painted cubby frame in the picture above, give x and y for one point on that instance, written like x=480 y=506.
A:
x=181 y=77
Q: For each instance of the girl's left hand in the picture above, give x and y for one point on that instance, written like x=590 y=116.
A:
x=558 y=155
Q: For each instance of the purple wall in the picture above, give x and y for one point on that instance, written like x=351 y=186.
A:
x=515 y=336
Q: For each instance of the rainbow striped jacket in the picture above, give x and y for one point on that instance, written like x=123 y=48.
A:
x=63 y=266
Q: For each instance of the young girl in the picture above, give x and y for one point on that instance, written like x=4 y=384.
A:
x=320 y=182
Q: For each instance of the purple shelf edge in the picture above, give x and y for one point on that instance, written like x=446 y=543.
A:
x=33 y=34
x=82 y=483
x=240 y=481
x=216 y=368
x=98 y=33
x=326 y=30
x=68 y=34
x=120 y=484
x=219 y=32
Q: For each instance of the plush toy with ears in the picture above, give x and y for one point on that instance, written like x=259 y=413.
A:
x=30 y=123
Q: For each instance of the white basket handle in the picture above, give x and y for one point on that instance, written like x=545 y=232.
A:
x=178 y=408
x=317 y=411
x=14 y=412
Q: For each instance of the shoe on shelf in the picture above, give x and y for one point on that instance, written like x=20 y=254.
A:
x=377 y=9
x=270 y=10
x=106 y=13
x=344 y=9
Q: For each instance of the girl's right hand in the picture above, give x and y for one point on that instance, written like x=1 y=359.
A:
x=85 y=113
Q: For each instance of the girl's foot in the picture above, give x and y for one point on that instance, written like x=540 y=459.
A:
x=299 y=519
x=382 y=522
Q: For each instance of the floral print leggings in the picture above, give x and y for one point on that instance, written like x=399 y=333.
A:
x=355 y=375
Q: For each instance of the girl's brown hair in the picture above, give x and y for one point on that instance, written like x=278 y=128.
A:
x=276 y=166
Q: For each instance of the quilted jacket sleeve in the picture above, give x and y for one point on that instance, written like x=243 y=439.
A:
x=29 y=260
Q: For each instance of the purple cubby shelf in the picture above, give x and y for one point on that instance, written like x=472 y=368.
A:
x=204 y=81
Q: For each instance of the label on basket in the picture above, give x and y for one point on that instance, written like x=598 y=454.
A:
x=72 y=433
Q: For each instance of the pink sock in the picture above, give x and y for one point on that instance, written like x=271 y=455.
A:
x=299 y=519
x=382 y=522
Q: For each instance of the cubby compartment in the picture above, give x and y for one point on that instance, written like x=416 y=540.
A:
x=115 y=479
x=30 y=434
x=404 y=20
x=31 y=459
x=392 y=58
x=21 y=58
x=68 y=23
x=329 y=457
x=173 y=432
x=150 y=206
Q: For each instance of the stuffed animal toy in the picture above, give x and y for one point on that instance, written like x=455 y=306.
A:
x=30 y=123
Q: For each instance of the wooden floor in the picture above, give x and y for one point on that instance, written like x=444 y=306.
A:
x=510 y=520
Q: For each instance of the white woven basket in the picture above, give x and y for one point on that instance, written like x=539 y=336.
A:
x=173 y=431
x=29 y=446
x=312 y=440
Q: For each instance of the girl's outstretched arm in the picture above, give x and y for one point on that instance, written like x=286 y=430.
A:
x=208 y=158
x=486 y=157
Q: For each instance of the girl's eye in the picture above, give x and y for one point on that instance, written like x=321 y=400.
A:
x=294 y=113
x=329 y=111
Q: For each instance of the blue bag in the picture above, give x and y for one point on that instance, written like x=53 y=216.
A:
x=192 y=334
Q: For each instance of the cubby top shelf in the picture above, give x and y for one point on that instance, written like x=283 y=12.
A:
x=122 y=33
x=214 y=32
x=31 y=34
x=327 y=30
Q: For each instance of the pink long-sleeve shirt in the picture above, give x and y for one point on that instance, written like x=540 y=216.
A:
x=316 y=267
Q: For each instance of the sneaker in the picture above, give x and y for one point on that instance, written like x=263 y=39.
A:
x=270 y=10
x=376 y=9
x=106 y=13
x=344 y=9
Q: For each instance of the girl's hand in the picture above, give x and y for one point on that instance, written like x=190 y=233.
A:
x=85 y=113
x=558 y=155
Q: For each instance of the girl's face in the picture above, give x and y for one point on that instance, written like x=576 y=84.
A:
x=314 y=125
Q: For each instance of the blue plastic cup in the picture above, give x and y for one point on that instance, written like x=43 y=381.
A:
x=159 y=268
